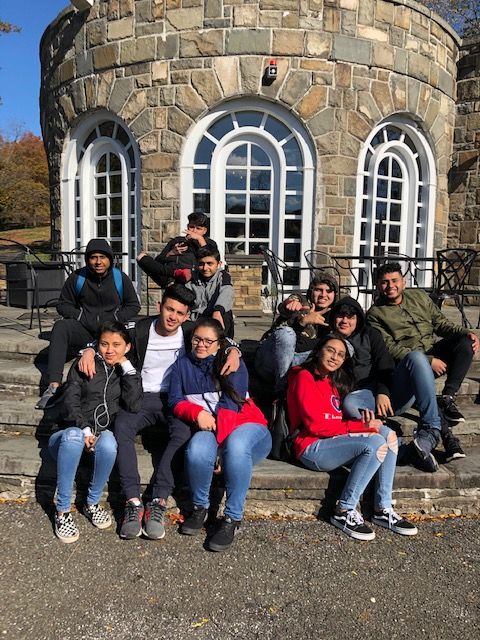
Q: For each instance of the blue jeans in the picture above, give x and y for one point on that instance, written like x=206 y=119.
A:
x=277 y=354
x=244 y=448
x=66 y=447
x=355 y=401
x=367 y=456
x=414 y=381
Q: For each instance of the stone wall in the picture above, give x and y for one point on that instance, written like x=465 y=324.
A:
x=343 y=66
x=465 y=175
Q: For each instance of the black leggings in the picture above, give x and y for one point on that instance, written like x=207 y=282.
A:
x=68 y=337
x=458 y=354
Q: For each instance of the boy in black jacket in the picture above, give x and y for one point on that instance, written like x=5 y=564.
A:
x=89 y=297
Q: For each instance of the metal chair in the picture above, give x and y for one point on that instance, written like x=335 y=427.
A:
x=274 y=264
x=453 y=271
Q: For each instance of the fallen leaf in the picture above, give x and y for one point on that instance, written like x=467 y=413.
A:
x=200 y=623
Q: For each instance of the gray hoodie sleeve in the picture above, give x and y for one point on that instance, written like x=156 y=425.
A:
x=226 y=293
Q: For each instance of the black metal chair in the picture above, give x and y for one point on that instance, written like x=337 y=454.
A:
x=453 y=272
x=274 y=264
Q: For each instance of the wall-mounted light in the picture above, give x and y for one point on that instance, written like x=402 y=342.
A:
x=270 y=73
x=82 y=5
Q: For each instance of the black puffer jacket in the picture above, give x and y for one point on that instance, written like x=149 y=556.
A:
x=373 y=365
x=98 y=300
x=105 y=394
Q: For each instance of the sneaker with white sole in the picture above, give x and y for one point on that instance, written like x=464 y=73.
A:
x=154 y=520
x=451 y=444
x=352 y=523
x=450 y=410
x=389 y=519
x=98 y=516
x=424 y=442
x=48 y=398
x=65 y=528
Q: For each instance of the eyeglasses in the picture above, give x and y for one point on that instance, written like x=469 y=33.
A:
x=196 y=340
x=341 y=355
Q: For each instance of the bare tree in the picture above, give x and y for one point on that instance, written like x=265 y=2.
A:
x=463 y=15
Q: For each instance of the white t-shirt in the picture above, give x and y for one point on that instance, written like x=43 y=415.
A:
x=161 y=353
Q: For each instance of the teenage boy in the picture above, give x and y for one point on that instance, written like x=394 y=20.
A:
x=90 y=296
x=301 y=319
x=410 y=324
x=180 y=254
x=158 y=342
x=213 y=290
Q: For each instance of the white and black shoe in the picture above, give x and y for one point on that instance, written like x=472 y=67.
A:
x=98 y=516
x=65 y=528
x=450 y=410
x=352 y=523
x=389 y=519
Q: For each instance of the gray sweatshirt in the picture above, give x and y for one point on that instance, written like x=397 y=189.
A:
x=215 y=294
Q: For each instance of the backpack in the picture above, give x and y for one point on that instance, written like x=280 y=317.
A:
x=117 y=276
x=282 y=439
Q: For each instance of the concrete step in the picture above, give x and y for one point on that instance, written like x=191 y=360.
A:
x=277 y=488
x=23 y=379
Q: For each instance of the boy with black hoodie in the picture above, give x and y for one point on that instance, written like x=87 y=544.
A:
x=89 y=297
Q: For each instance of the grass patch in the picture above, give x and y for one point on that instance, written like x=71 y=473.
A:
x=37 y=237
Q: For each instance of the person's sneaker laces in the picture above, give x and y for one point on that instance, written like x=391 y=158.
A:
x=424 y=442
x=65 y=528
x=132 y=521
x=451 y=444
x=389 y=519
x=195 y=521
x=182 y=275
x=97 y=515
x=224 y=535
x=48 y=398
x=450 y=410
x=154 y=520
x=352 y=523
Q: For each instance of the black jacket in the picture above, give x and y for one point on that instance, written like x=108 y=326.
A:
x=98 y=300
x=373 y=365
x=82 y=396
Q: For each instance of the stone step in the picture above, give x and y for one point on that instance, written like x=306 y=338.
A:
x=19 y=378
x=277 y=488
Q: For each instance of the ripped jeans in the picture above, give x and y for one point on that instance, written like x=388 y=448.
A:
x=366 y=455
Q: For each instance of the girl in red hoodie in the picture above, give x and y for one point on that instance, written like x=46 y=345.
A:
x=325 y=440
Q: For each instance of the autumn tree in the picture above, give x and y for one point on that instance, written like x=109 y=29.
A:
x=463 y=15
x=24 y=190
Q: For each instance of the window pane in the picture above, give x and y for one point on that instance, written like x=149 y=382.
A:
x=106 y=129
x=101 y=185
x=394 y=234
x=383 y=167
x=122 y=136
x=380 y=231
x=131 y=155
x=396 y=170
x=291 y=252
x=259 y=205
x=101 y=207
x=235 y=229
x=235 y=204
x=133 y=271
x=396 y=192
x=236 y=179
x=276 y=128
x=116 y=228
x=221 y=127
x=255 y=247
x=204 y=151
x=234 y=247
x=101 y=228
x=92 y=136
x=260 y=180
x=395 y=212
x=117 y=247
x=291 y=277
x=293 y=228
x=102 y=164
x=293 y=155
x=294 y=180
x=115 y=163
x=132 y=227
x=394 y=133
x=201 y=202
x=115 y=184
x=201 y=179
x=116 y=206
x=293 y=204
x=381 y=210
x=249 y=118
x=259 y=228
x=239 y=156
x=382 y=188
x=259 y=157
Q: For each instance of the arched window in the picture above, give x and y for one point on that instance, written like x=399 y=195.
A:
x=249 y=165
x=395 y=192
x=101 y=189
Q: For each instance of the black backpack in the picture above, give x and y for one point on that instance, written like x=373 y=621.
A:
x=282 y=439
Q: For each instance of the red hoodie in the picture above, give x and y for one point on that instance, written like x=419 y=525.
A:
x=314 y=407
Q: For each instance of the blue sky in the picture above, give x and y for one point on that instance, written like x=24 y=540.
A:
x=20 y=63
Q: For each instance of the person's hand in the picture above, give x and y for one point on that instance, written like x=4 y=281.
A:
x=439 y=367
x=232 y=363
x=384 y=406
x=141 y=255
x=475 y=342
x=86 y=364
x=192 y=234
x=371 y=423
x=216 y=315
x=315 y=317
x=206 y=422
x=294 y=305
x=89 y=442
x=177 y=249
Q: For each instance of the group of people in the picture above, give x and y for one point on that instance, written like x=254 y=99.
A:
x=343 y=372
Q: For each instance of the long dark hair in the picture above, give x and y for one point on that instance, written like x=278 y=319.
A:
x=221 y=382
x=342 y=379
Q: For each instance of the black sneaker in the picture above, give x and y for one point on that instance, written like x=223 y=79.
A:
x=450 y=410
x=195 y=521
x=452 y=447
x=154 y=520
x=224 y=535
x=48 y=398
x=352 y=523
x=132 y=521
x=424 y=442
x=388 y=519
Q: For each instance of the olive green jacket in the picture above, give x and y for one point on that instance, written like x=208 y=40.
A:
x=412 y=325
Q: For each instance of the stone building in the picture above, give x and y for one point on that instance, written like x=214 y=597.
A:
x=154 y=108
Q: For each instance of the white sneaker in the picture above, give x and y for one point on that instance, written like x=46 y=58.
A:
x=65 y=528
